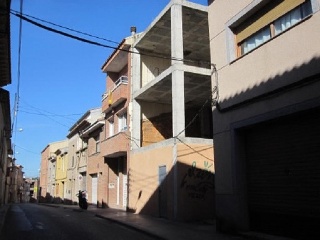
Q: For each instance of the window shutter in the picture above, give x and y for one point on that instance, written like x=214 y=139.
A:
x=268 y=16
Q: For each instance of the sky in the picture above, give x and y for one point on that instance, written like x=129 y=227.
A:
x=58 y=79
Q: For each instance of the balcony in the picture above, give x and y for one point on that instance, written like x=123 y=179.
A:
x=116 y=95
x=116 y=145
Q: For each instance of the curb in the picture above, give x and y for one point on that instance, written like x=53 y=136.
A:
x=127 y=225
x=155 y=236
x=49 y=205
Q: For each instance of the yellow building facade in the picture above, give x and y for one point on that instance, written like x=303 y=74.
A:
x=61 y=173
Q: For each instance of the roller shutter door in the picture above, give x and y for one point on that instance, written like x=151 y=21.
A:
x=283 y=175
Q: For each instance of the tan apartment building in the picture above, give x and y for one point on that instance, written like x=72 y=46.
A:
x=16 y=190
x=28 y=190
x=48 y=170
x=115 y=141
x=5 y=117
x=5 y=144
x=266 y=115
x=97 y=170
x=7 y=180
x=171 y=170
x=43 y=180
x=31 y=191
x=78 y=155
x=61 y=173
x=52 y=168
x=35 y=190
x=51 y=182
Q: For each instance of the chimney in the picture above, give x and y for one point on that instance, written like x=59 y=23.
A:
x=133 y=30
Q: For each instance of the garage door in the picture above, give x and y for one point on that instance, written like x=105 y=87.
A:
x=283 y=175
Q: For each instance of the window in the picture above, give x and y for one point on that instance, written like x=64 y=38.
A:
x=292 y=18
x=111 y=128
x=255 y=40
x=79 y=144
x=97 y=140
x=122 y=122
x=270 y=21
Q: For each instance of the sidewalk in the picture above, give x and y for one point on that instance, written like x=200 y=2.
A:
x=3 y=212
x=157 y=228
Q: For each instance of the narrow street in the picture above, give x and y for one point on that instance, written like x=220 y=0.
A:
x=32 y=221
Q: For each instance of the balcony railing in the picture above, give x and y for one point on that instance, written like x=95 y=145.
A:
x=121 y=80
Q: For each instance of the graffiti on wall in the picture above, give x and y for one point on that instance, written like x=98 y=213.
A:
x=198 y=182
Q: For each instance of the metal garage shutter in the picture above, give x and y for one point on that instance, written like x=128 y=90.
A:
x=283 y=175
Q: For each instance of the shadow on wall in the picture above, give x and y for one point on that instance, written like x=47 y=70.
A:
x=306 y=74
x=297 y=217
x=33 y=200
x=50 y=199
x=47 y=199
x=102 y=204
x=194 y=195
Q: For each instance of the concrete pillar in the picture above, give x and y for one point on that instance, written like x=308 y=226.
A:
x=136 y=108
x=178 y=107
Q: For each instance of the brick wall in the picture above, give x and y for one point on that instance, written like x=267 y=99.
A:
x=157 y=129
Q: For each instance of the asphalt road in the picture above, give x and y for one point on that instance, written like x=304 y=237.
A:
x=32 y=221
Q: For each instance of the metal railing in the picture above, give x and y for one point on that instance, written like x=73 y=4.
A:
x=121 y=80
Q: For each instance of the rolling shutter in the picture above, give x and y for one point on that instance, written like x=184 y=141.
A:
x=283 y=175
x=267 y=15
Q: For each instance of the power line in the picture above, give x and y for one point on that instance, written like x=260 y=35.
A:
x=195 y=117
x=60 y=26
x=100 y=44
x=61 y=32
x=47 y=113
x=214 y=100
x=130 y=138
x=194 y=150
x=22 y=16
x=27 y=150
x=17 y=94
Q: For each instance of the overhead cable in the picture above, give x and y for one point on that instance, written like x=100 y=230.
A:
x=60 y=26
x=17 y=94
x=214 y=99
x=100 y=44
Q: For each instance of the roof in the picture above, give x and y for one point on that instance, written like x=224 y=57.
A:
x=86 y=120
x=119 y=57
x=86 y=132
